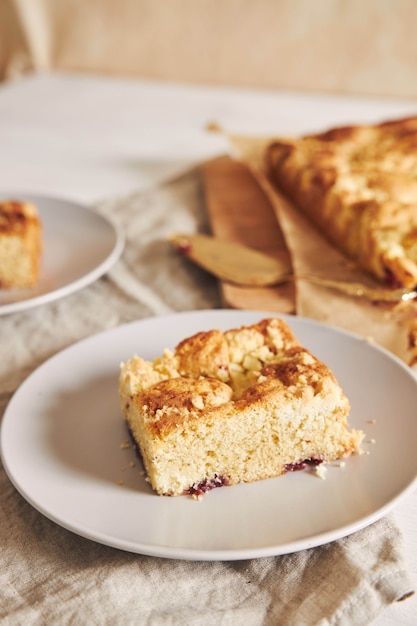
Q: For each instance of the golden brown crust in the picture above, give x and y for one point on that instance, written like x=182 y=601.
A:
x=173 y=401
x=358 y=184
x=241 y=366
x=204 y=354
x=211 y=359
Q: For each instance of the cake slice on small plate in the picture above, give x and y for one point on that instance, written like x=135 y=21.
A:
x=20 y=244
x=238 y=406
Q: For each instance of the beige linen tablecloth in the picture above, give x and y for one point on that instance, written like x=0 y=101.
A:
x=51 y=576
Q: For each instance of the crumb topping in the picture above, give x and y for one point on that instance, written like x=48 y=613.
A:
x=213 y=369
x=14 y=215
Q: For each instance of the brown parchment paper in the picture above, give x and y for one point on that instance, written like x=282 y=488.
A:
x=389 y=325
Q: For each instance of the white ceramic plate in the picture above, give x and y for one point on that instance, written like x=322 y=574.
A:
x=79 y=246
x=62 y=430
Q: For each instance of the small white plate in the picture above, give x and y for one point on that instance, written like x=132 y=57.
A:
x=79 y=246
x=62 y=432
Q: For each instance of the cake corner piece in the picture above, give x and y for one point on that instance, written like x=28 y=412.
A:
x=20 y=244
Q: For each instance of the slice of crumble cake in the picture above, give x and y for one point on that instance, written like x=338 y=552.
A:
x=236 y=406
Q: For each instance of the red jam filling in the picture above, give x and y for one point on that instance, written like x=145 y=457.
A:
x=207 y=484
x=296 y=467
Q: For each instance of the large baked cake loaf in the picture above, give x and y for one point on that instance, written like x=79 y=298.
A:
x=20 y=244
x=358 y=184
x=236 y=406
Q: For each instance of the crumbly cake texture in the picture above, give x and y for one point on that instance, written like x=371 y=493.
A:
x=20 y=244
x=358 y=184
x=236 y=406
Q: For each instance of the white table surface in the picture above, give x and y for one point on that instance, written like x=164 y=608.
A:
x=91 y=138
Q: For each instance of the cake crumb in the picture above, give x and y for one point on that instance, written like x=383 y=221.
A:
x=321 y=471
x=120 y=482
x=213 y=127
x=373 y=421
x=132 y=464
x=125 y=445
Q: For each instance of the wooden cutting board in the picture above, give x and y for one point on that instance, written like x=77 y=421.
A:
x=239 y=211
